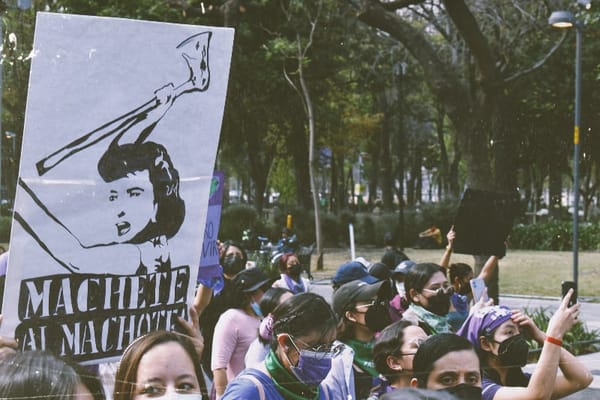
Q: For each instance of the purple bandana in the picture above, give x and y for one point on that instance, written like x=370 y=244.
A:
x=483 y=322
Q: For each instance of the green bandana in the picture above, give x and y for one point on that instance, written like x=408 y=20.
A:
x=287 y=384
x=363 y=355
x=438 y=323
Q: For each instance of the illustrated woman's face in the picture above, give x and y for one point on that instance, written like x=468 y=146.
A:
x=164 y=371
x=132 y=203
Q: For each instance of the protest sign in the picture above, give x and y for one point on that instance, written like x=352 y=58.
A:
x=210 y=273
x=121 y=132
x=483 y=221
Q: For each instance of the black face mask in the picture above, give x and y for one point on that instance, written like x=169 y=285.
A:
x=513 y=351
x=464 y=392
x=464 y=289
x=232 y=264
x=440 y=303
x=377 y=316
x=295 y=269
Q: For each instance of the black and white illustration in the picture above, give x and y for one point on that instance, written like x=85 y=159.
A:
x=122 y=126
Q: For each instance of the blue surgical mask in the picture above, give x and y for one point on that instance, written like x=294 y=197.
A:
x=256 y=309
x=313 y=366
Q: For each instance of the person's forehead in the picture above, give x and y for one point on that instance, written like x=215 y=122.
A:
x=292 y=259
x=413 y=332
x=436 y=278
x=315 y=337
x=165 y=359
x=463 y=361
x=508 y=324
x=232 y=249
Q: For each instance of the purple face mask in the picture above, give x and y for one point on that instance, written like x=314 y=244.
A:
x=312 y=367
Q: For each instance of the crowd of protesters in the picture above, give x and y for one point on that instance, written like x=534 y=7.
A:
x=398 y=329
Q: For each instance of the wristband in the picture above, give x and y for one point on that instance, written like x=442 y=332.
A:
x=449 y=248
x=554 y=340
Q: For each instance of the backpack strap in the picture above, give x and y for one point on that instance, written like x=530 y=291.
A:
x=257 y=383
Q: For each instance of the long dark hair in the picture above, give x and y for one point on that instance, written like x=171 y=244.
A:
x=302 y=315
x=126 y=377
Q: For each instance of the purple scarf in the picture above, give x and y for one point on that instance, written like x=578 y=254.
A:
x=295 y=287
x=483 y=322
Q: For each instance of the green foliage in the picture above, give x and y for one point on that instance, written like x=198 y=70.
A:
x=5 y=224
x=554 y=235
x=577 y=340
x=236 y=218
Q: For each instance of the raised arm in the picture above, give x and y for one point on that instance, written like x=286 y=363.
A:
x=445 y=261
x=488 y=268
x=131 y=127
x=544 y=383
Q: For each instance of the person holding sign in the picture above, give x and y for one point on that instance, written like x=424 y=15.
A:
x=461 y=277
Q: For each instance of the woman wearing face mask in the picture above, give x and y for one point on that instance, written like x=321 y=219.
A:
x=232 y=262
x=237 y=328
x=399 y=303
x=363 y=311
x=428 y=294
x=291 y=271
x=260 y=347
x=499 y=336
x=159 y=365
x=300 y=357
x=460 y=275
x=448 y=362
x=393 y=354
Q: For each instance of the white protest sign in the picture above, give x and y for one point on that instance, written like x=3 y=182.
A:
x=121 y=132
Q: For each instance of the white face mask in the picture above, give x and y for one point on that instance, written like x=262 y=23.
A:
x=181 y=396
x=400 y=288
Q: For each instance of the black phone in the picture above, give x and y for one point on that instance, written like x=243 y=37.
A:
x=565 y=286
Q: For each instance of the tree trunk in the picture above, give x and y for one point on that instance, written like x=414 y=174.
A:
x=298 y=148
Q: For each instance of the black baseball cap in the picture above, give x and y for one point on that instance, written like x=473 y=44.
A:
x=251 y=279
x=352 y=292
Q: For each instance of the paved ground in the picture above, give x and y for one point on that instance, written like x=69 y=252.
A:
x=590 y=314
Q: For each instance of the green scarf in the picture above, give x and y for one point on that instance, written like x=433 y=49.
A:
x=363 y=355
x=438 y=323
x=287 y=384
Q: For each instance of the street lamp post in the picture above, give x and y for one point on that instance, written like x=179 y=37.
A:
x=566 y=20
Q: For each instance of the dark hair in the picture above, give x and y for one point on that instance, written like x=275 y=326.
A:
x=271 y=299
x=229 y=243
x=459 y=270
x=301 y=315
x=389 y=343
x=120 y=160
x=418 y=277
x=126 y=377
x=434 y=348
x=282 y=261
x=37 y=374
